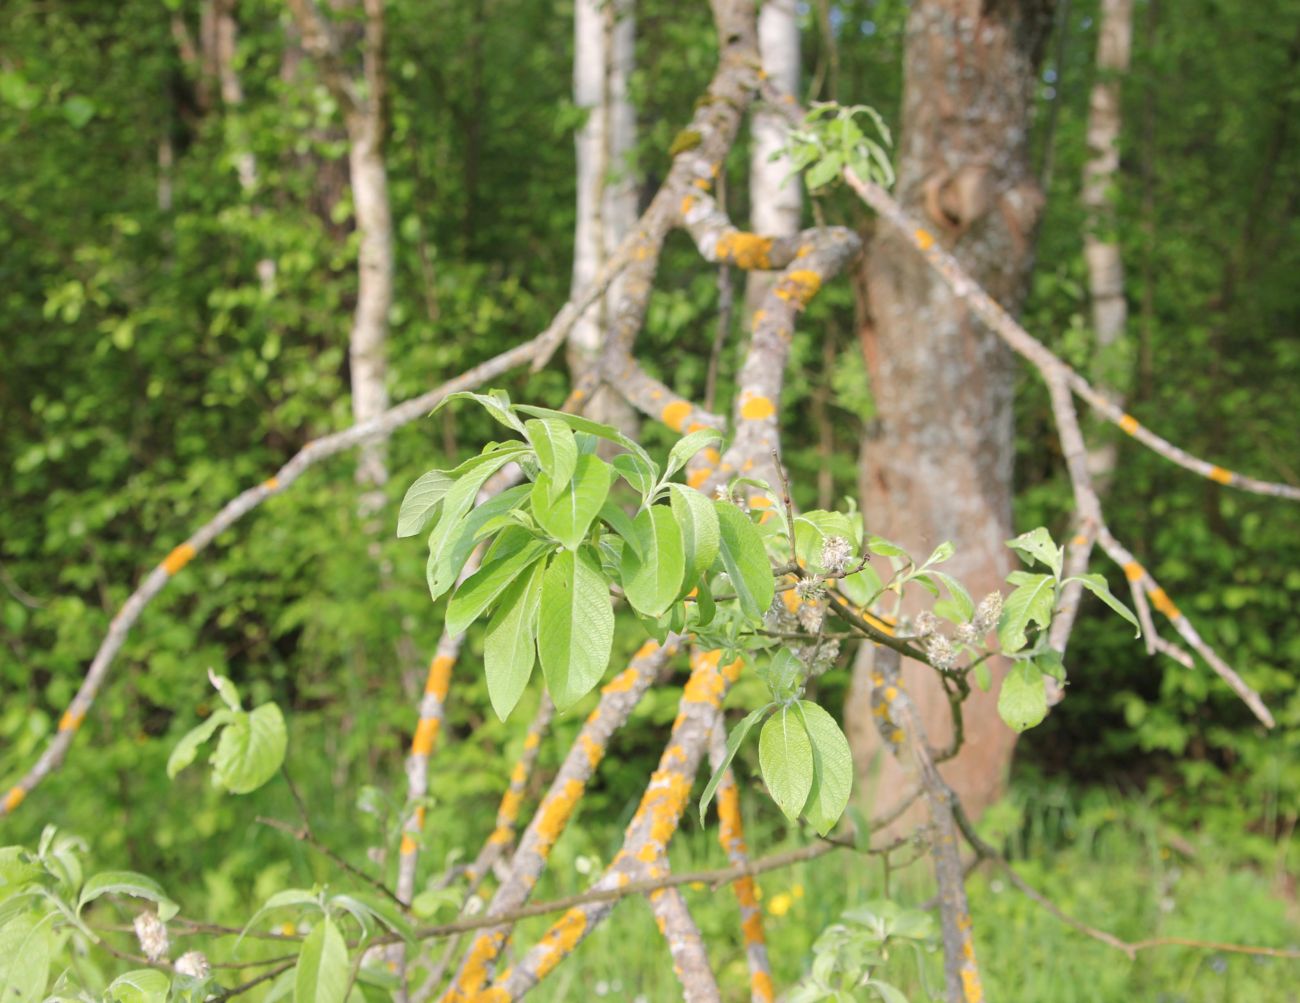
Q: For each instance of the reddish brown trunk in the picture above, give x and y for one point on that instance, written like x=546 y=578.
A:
x=937 y=465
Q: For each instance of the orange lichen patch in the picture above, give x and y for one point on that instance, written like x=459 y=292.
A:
x=758 y=318
x=664 y=801
x=972 y=991
x=656 y=394
x=711 y=455
x=1079 y=540
x=791 y=600
x=703 y=184
x=882 y=625
x=760 y=501
x=760 y=987
x=500 y=835
x=704 y=686
x=896 y=737
x=751 y=927
x=757 y=408
x=745 y=250
x=1164 y=604
x=891 y=694
x=409 y=845
x=1128 y=423
x=554 y=814
x=804 y=251
x=426 y=733
x=531 y=741
x=877 y=679
x=799 y=287
x=924 y=239
x=645 y=651
x=674 y=415
x=178 y=558
x=439 y=678
x=622 y=682
x=14 y=798
x=518 y=775
x=696 y=426
x=560 y=940
x=271 y=484
x=880 y=710
x=1133 y=571
x=687 y=204
x=1220 y=474
x=730 y=833
x=474 y=974
x=697 y=477
x=71 y=720
x=592 y=749
x=745 y=893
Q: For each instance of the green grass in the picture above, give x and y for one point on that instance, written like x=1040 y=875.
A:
x=1108 y=860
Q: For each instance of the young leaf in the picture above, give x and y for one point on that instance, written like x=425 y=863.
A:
x=743 y=556
x=497 y=404
x=126 y=883
x=962 y=601
x=687 y=447
x=188 y=747
x=1031 y=602
x=322 y=966
x=421 y=502
x=513 y=552
x=453 y=538
x=637 y=471
x=557 y=452
x=568 y=514
x=983 y=676
x=1096 y=584
x=652 y=570
x=1023 y=700
x=144 y=985
x=581 y=424
x=698 y=521
x=734 y=742
x=575 y=627
x=941 y=553
x=832 y=768
x=621 y=523
x=226 y=690
x=508 y=649
x=786 y=759
x=250 y=750
x=1037 y=545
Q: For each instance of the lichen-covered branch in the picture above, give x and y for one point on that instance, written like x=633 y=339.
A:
x=731 y=834
x=618 y=697
x=686 y=946
x=900 y=728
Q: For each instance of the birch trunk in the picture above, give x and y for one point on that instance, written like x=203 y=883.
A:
x=1100 y=174
x=603 y=41
x=775 y=196
x=937 y=461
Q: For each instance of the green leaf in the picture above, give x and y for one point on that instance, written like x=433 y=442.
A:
x=743 y=557
x=126 y=883
x=621 y=523
x=1031 y=602
x=366 y=903
x=581 y=424
x=698 y=521
x=251 y=750
x=144 y=985
x=637 y=471
x=496 y=403
x=964 y=605
x=1023 y=700
x=1037 y=545
x=575 y=627
x=832 y=768
x=687 y=447
x=652 y=570
x=188 y=747
x=568 y=514
x=453 y=538
x=322 y=966
x=511 y=554
x=785 y=756
x=983 y=676
x=1096 y=584
x=879 y=545
x=557 y=452
x=734 y=742
x=941 y=553
x=226 y=690
x=508 y=648
x=24 y=960
x=811 y=530
x=825 y=170
x=706 y=608
x=421 y=502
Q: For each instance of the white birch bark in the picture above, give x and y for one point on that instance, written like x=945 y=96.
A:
x=1100 y=172
x=603 y=40
x=776 y=204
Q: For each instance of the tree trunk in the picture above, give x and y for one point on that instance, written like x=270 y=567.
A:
x=775 y=197
x=603 y=39
x=938 y=459
x=1101 y=244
